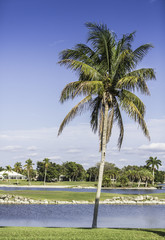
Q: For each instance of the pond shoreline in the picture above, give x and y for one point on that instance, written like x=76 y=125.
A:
x=137 y=200
x=76 y=187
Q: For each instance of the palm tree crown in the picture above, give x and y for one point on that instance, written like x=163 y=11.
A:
x=29 y=166
x=18 y=167
x=153 y=162
x=107 y=76
x=107 y=79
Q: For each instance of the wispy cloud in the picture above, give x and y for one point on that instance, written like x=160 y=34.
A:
x=153 y=147
x=32 y=154
x=43 y=143
x=123 y=160
x=10 y=148
x=74 y=150
x=32 y=148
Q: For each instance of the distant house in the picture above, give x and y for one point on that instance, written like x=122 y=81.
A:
x=11 y=175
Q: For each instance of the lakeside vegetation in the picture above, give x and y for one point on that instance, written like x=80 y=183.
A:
x=38 y=233
x=74 y=174
x=69 y=195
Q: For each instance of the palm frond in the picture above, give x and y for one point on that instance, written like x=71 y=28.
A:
x=117 y=66
x=135 y=109
x=139 y=53
x=125 y=42
x=81 y=67
x=103 y=42
x=110 y=124
x=137 y=80
x=74 y=111
x=101 y=121
x=118 y=118
x=95 y=107
x=81 y=52
x=81 y=87
x=90 y=87
x=69 y=91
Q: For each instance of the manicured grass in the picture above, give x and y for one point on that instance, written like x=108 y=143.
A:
x=56 y=195
x=39 y=183
x=29 y=233
x=69 y=195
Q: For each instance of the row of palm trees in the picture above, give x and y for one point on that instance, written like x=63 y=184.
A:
x=130 y=174
x=28 y=167
x=111 y=172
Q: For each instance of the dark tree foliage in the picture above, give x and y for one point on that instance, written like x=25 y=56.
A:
x=1 y=168
x=73 y=171
x=53 y=172
x=92 y=174
x=159 y=176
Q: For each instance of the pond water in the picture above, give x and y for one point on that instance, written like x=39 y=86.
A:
x=111 y=216
x=121 y=191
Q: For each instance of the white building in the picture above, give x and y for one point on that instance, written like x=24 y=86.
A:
x=11 y=175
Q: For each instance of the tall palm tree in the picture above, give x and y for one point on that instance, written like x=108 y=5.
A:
x=29 y=166
x=107 y=79
x=46 y=164
x=18 y=168
x=153 y=162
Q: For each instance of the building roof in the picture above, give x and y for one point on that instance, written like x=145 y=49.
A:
x=11 y=173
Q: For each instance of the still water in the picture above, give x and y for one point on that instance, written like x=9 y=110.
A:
x=121 y=191
x=111 y=216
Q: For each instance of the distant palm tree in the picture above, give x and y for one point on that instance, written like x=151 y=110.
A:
x=46 y=164
x=9 y=169
x=18 y=168
x=153 y=162
x=29 y=166
x=107 y=77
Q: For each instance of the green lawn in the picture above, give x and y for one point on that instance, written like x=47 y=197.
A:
x=68 y=195
x=58 y=195
x=29 y=233
x=39 y=183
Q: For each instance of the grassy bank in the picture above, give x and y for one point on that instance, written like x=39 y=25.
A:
x=29 y=233
x=39 y=183
x=68 y=195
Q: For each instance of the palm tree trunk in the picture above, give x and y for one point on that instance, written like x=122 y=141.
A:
x=29 y=177
x=45 y=177
x=101 y=169
x=153 y=177
x=139 y=182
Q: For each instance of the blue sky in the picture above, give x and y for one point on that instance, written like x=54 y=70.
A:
x=33 y=32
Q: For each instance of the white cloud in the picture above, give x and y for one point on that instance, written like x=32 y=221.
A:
x=32 y=148
x=32 y=154
x=10 y=148
x=153 y=147
x=123 y=160
x=74 y=150
x=78 y=143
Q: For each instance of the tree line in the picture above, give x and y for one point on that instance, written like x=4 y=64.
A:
x=48 y=171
